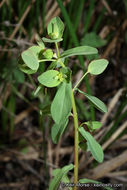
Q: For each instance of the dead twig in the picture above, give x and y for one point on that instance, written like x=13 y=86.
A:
x=108 y=166
x=107 y=7
x=20 y=22
x=119 y=173
x=111 y=105
x=1 y=4
x=115 y=135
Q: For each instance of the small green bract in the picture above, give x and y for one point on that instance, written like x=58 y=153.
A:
x=48 y=54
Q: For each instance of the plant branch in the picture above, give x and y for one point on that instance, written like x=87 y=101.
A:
x=43 y=60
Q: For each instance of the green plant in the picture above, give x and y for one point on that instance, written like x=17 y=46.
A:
x=58 y=75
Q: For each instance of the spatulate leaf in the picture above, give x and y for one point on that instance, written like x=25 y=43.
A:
x=49 y=78
x=62 y=104
x=96 y=67
x=81 y=50
x=30 y=59
x=93 y=145
x=96 y=102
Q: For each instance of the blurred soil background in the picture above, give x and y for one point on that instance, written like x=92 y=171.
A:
x=27 y=154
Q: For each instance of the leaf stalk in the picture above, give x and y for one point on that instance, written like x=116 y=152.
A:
x=80 y=81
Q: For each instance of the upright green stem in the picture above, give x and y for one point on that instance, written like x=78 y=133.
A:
x=57 y=49
x=58 y=53
x=76 y=140
x=76 y=133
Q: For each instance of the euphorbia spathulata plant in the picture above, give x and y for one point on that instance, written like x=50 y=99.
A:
x=63 y=105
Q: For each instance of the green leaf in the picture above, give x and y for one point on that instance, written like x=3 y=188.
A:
x=26 y=70
x=62 y=103
x=93 y=124
x=51 y=41
x=30 y=59
x=55 y=28
x=49 y=78
x=23 y=67
x=65 y=179
x=36 y=50
x=92 y=39
x=95 y=182
x=57 y=130
x=54 y=184
x=93 y=145
x=96 y=67
x=81 y=50
x=96 y=102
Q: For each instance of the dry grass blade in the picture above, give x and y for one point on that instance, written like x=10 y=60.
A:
x=113 y=43
x=63 y=151
x=23 y=115
x=58 y=152
x=110 y=47
x=115 y=135
x=111 y=106
x=1 y=4
x=107 y=7
x=54 y=11
x=49 y=14
x=50 y=157
x=108 y=166
x=20 y=22
x=120 y=143
x=14 y=185
x=114 y=174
